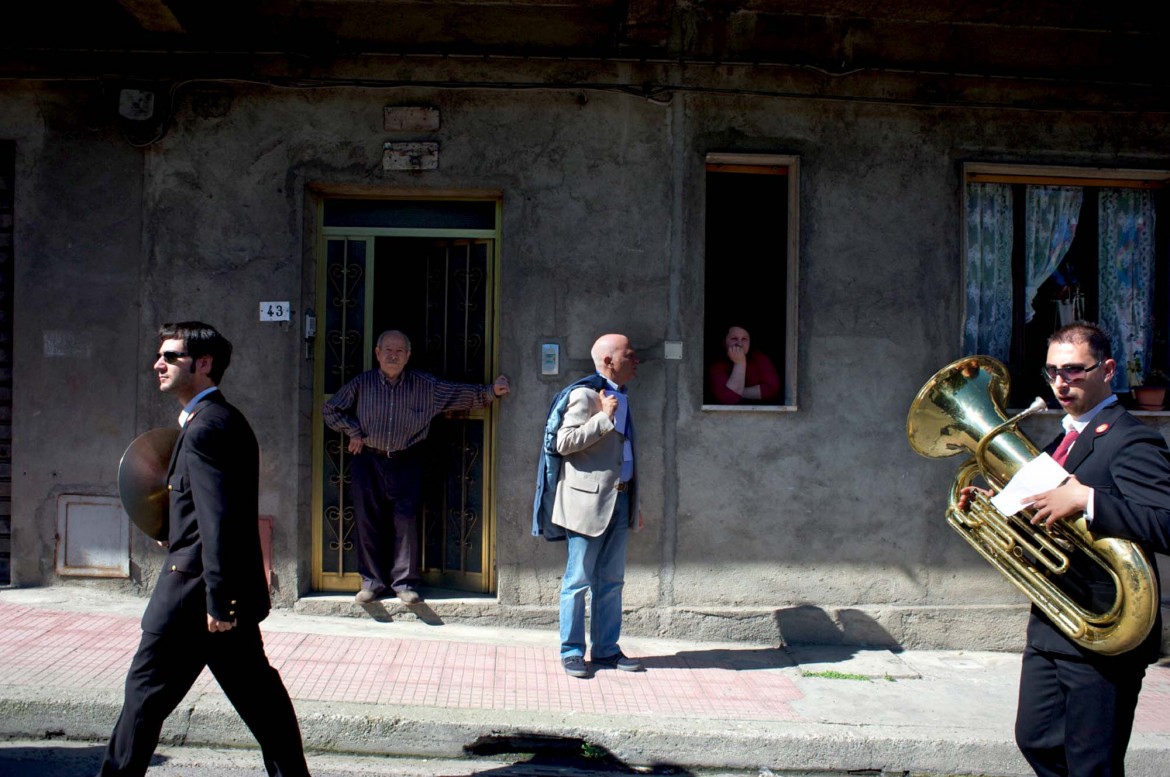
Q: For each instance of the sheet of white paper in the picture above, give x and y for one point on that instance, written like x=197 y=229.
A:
x=1037 y=476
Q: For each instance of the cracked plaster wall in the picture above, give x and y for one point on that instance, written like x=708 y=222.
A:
x=602 y=224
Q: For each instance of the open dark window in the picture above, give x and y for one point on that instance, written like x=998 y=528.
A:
x=750 y=280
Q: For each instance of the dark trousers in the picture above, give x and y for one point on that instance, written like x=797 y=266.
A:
x=1075 y=715
x=387 y=492
x=164 y=669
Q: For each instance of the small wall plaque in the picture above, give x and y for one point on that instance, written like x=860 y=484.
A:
x=274 y=311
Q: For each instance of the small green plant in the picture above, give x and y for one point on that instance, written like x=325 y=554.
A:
x=833 y=674
x=592 y=751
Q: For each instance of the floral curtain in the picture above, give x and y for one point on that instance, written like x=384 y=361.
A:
x=1050 y=223
x=1125 y=250
x=988 y=328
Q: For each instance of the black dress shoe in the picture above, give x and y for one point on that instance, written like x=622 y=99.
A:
x=619 y=661
x=575 y=666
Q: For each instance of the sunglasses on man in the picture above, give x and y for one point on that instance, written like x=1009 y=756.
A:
x=1071 y=374
x=171 y=357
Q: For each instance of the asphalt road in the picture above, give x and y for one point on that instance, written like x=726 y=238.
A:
x=56 y=758
x=59 y=758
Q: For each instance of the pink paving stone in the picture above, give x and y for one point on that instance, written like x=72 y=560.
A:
x=434 y=673
x=1153 y=710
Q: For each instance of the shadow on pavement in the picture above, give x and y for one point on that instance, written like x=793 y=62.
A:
x=378 y=612
x=425 y=614
x=558 y=755
x=50 y=760
x=721 y=658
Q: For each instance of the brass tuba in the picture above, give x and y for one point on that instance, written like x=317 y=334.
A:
x=960 y=409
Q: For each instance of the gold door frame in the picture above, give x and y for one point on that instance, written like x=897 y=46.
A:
x=340 y=539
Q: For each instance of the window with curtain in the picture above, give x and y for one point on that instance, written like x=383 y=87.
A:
x=1046 y=246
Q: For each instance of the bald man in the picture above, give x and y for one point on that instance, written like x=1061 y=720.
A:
x=596 y=506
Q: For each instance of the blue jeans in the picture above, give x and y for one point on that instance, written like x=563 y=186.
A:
x=597 y=563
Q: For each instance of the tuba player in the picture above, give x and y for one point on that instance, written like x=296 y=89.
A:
x=1076 y=707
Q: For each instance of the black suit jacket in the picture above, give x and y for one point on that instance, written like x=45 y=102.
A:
x=1128 y=466
x=214 y=564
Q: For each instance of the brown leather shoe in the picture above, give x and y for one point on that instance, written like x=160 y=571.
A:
x=365 y=596
x=409 y=596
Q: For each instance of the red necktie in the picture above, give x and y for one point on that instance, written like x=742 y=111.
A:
x=1061 y=452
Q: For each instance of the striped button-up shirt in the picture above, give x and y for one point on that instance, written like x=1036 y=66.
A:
x=395 y=416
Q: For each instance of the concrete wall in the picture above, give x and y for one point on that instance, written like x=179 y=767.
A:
x=78 y=211
x=820 y=522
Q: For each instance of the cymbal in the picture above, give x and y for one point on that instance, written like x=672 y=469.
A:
x=142 y=480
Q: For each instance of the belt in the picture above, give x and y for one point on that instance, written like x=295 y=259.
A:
x=388 y=454
x=621 y=485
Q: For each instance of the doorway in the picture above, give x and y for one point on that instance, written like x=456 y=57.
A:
x=429 y=269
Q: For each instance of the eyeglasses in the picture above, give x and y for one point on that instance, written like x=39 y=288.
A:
x=1071 y=373
x=171 y=357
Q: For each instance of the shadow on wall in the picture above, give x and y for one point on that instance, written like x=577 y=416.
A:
x=811 y=625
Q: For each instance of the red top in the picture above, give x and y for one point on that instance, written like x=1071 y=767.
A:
x=760 y=372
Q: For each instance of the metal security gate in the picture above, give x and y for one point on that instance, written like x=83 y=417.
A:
x=455 y=531
x=440 y=291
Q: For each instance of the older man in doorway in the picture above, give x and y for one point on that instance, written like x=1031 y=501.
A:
x=386 y=413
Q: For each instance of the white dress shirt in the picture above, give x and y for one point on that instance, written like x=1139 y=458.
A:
x=1079 y=424
x=183 y=416
x=621 y=422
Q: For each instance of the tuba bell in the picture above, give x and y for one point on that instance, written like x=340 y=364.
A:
x=960 y=409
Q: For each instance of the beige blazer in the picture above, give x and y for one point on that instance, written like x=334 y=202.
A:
x=592 y=461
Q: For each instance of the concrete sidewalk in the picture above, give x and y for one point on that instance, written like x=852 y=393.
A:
x=400 y=686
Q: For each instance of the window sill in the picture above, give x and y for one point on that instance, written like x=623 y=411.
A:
x=749 y=408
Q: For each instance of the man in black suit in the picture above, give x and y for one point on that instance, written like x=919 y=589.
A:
x=1076 y=707
x=212 y=593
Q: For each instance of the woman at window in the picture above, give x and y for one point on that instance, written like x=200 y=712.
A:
x=743 y=375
